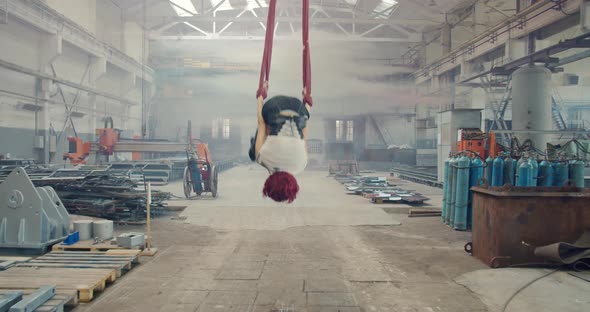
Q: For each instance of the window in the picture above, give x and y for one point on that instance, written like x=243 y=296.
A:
x=226 y=128
x=349 y=130
x=214 y=128
x=339 y=130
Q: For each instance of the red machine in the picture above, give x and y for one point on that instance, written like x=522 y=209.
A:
x=474 y=140
x=109 y=142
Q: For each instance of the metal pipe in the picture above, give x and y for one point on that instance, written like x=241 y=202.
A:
x=38 y=74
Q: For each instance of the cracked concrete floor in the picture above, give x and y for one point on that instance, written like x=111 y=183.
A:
x=327 y=252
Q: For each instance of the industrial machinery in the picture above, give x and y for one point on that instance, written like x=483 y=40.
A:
x=31 y=218
x=110 y=142
x=200 y=174
x=475 y=141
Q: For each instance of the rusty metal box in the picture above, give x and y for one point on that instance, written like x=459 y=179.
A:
x=509 y=222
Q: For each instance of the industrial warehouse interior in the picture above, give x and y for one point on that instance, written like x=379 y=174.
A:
x=295 y=155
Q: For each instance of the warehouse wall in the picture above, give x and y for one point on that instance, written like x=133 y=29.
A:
x=468 y=25
x=83 y=12
x=27 y=45
x=397 y=131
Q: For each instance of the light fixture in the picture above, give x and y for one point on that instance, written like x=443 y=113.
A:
x=183 y=7
x=385 y=8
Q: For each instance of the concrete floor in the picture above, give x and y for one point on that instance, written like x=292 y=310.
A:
x=327 y=252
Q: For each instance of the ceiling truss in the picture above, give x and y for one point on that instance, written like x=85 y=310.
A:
x=351 y=24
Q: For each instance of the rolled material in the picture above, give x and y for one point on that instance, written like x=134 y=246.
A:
x=103 y=229
x=84 y=228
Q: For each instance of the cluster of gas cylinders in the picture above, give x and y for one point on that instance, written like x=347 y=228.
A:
x=463 y=172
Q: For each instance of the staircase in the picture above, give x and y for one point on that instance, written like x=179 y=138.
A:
x=384 y=134
x=559 y=119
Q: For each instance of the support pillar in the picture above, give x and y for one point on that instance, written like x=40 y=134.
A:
x=98 y=67
x=585 y=15
x=128 y=83
x=51 y=47
x=42 y=139
x=92 y=120
x=445 y=39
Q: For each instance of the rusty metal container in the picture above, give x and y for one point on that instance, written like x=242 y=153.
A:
x=509 y=222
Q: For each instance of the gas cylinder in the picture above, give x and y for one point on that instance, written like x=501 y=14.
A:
x=524 y=174
x=509 y=170
x=498 y=171
x=452 y=188
x=545 y=177
x=534 y=171
x=576 y=172
x=489 y=169
x=518 y=163
x=475 y=173
x=560 y=173
x=462 y=194
x=445 y=187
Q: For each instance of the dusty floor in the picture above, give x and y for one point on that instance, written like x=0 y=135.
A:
x=327 y=252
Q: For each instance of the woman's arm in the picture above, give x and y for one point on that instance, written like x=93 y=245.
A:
x=304 y=130
x=261 y=135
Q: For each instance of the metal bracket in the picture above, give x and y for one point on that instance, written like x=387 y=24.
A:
x=34 y=300
x=8 y=299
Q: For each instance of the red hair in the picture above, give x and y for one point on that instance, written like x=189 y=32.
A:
x=281 y=186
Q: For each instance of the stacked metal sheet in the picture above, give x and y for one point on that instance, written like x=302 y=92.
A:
x=101 y=194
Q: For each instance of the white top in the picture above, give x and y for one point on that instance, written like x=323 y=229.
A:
x=284 y=152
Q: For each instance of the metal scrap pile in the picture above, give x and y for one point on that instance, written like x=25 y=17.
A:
x=105 y=196
x=380 y=189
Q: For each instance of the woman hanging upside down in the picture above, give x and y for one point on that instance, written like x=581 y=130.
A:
x=279 y=143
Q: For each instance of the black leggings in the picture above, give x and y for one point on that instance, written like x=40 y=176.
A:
x=271 y=113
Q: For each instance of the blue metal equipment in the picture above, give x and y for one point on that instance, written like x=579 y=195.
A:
x=498 y=171
x=509 y=164
x=560 y=173
x=489 y=169
x=462 y=194
x=545 y=177
x=576 y=172
x=475 y=174
x=445 y=187
x=525 y=172
x=534 y=172
x=453 y=190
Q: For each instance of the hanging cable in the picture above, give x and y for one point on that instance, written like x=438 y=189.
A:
x=267 y=54
x=306 y=55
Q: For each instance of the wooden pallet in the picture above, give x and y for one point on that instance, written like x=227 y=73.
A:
x=83 y=259
x=83 y=280
x=87 y=245
x=55 y=304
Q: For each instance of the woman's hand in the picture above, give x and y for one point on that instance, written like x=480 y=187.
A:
x=262 y=91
